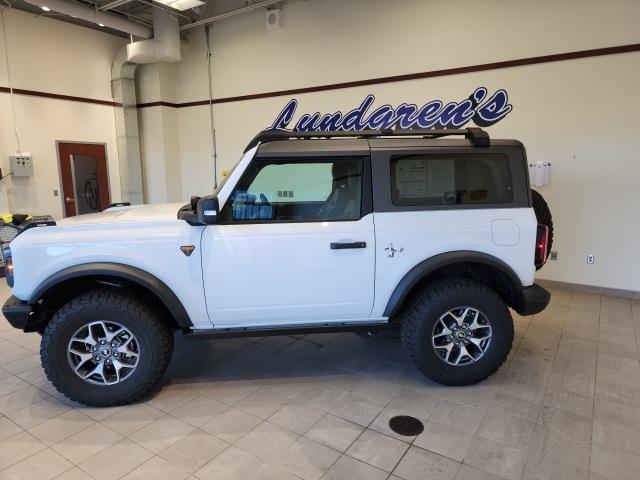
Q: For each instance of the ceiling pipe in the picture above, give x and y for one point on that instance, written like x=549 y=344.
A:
x=222 y=16
x=88 y=14
x=114 y=4
x=165 y=44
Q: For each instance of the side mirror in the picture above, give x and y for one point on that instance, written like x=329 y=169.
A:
x=208 y=210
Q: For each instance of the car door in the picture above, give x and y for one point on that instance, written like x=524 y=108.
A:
x=295 y=245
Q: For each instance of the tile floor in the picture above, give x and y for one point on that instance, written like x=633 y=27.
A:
x=566 y=405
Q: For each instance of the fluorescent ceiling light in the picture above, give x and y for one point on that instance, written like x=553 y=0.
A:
x=181 y=4
x=45 y=8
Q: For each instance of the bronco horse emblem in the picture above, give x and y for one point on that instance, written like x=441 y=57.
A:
x=391 y=252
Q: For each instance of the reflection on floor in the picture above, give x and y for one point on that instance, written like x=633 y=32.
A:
x=565 y=405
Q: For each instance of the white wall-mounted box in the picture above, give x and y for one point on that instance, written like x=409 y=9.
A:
x=539 y=174
x=21 y=165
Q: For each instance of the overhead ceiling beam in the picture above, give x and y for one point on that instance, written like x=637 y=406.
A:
x=88 y=14
x=167 y=8
x=114 y=4
x=222 y=16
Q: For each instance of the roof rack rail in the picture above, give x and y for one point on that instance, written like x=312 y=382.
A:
x=477 y=136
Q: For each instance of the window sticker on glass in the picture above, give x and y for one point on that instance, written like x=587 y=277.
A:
x=411 y=178
x=441 y=177
x=451 y=180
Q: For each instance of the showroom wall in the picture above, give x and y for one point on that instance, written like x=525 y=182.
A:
x=581 y=115
x=160 y=152
x=49 y=56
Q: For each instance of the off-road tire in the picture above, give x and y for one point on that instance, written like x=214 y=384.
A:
x=426 y=307
x=152 y=332
x=543 y=216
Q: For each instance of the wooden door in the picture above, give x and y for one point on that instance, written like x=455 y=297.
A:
x=85 y=181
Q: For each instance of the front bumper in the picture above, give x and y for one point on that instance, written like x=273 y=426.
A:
x=19 y=313
x=532 y=300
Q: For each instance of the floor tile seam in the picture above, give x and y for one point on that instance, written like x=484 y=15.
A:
x=593 y=409
x=45 y=447
x=531 y=453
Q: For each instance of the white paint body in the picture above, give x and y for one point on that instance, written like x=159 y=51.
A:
x=278 y=274
x=146 y=237
x=418 y=236
x=251 y=275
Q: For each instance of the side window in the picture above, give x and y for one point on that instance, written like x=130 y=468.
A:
x=297 y=190
x=451 y=180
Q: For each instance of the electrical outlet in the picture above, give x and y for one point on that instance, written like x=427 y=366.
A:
x=591 y=259
x=553 y=256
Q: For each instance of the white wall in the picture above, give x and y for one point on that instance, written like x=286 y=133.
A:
x=579 y=114
x=160 y=151
x=50 y=56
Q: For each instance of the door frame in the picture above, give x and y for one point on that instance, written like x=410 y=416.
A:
x=59 y=167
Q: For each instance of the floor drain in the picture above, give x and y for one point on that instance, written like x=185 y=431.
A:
x=405 y=425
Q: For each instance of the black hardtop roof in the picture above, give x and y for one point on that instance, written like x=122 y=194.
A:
x=273 y=142
x=477 y=136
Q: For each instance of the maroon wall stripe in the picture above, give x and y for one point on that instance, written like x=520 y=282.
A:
x=597 y=52
x=558 y=57
x=160 y=104
x=34 y=93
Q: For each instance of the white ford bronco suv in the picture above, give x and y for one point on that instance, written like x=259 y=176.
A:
x=311 y=232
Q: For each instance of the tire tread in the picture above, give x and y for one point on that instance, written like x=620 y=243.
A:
x=412 y=316
x=133 y=306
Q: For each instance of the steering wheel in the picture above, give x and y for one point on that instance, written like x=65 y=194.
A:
x=265 y=209
x=264 y=201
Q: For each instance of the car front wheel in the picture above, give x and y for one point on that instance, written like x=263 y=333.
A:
x=106 y=347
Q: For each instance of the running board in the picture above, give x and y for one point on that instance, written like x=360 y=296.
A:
x=297 y=329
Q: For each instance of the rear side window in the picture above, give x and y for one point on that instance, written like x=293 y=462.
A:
x=451 y=180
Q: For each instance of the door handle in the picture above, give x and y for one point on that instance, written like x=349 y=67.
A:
x=69 y=200
x=345 y=245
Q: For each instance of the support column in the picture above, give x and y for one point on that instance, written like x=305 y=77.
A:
x=159 y=135
x=126 y=119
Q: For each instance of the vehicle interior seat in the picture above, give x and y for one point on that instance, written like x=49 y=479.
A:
x=343 y=203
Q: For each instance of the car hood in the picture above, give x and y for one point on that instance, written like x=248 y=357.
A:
x=134 y=214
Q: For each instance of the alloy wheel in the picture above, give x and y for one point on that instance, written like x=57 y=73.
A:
x=103 y=353
x=461 y=336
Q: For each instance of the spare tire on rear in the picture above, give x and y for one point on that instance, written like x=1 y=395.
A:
x=543 y=216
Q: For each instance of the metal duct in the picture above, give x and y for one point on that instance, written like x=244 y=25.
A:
x=90 y=15
x=165 y=44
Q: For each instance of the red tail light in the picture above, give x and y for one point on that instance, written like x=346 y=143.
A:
x=542 y=245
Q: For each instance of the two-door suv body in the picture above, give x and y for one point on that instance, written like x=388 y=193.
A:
x=310 y=232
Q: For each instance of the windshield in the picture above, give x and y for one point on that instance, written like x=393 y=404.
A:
x=191 y=206
x=225 y=178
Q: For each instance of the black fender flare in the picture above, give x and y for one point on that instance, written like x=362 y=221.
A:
x=431 y=264
x=126 y=272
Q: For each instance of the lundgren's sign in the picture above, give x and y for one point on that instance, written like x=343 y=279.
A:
x=483 y=109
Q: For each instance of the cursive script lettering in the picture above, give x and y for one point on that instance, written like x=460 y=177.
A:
x=480 y=108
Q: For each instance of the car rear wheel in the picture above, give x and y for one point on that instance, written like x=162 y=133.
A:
x=457 y=331
x=106 y=347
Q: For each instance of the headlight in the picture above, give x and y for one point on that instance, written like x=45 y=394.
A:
x=8 y=263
